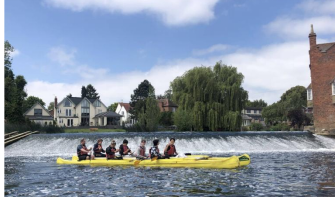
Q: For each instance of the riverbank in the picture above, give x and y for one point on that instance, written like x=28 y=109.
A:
x=87 y=130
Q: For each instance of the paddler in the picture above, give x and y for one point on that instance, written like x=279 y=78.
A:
x=111 y=151
x=123 y=149
x=154 y=151
x=98 y=149
x=170 y=150
x=83 y=152
x=141 y=153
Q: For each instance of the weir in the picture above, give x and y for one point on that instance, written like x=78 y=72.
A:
x=38 y=145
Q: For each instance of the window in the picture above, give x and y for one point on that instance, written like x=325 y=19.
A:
x=97 y=104
x=333 y=88
x=309 y=94
x=85 y=112
x=67 y=103
x=256 y=111
x=99 y=111
x=248 y=111
x=66 y=112
x=69 y=112
x=122 y=113
x=37 y=112
x=85 y=103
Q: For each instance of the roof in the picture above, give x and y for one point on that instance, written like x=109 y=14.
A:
x=39 y=117
x=51 y=112
x=253 y=108
x=33 y=108
x=167 y=103
x=309 y=87
x=332 y=81
x=77 y=100
x=127 y=106
x=108 y=114
x=246 y=117
x=325 y=46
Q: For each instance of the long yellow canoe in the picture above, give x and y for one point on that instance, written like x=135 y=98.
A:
x=192 y=161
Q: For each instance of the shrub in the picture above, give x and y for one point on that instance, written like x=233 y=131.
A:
x=256 y=127
x=244 y=128
x=280 y=127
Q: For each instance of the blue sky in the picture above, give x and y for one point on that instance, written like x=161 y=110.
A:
x=114 y=45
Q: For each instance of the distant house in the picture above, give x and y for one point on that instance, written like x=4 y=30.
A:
x=252 y=115
x=38 y=114
x=166 y=105
x=77 y=111
x=321 y=92
x=123 y=109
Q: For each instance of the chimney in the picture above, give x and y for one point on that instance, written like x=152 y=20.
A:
x=55 y=102
x=312 y=37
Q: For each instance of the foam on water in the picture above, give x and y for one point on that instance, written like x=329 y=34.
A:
x=65 y=145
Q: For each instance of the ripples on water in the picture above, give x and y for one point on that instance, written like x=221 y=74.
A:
x=299 y=173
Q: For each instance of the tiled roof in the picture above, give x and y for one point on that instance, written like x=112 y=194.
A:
x=325 y=46
x=108 y=114
x=309 y=87
x=127 y=106
x=77 y=100
x=167 y=103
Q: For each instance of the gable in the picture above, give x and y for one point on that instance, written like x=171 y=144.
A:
x=37 y=106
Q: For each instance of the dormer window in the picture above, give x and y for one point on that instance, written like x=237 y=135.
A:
x=309 y=94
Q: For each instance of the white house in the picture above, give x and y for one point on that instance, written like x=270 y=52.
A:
x=252 y=115
x=77 y=111
x=38 y=114
x=124 y=110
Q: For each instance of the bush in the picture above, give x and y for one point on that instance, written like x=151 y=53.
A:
x=245 y=128
x=280 y=127
x=134 y=128
x=32 y=126
x=256 y=127
x=166 y=118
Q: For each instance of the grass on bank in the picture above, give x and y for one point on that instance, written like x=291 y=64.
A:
x=88 y=130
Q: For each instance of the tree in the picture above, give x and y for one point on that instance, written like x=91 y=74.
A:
x=167 y=95
x=51 y=106
x=112 y=107
x=91 y=92
x=183 y=120
x=213 y=96
x=256 y=126
x=256 y=103
x=166 y=118
x=141 y=93
x=84 y=93
x=30 y=101
x=69 y=95
x=149 y=115
x=20 y=94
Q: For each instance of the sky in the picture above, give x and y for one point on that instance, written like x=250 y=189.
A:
x=114 y=45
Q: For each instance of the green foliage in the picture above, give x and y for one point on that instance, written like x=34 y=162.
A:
x=256 y=103
x=256 y=126
x=280 y=127
x=166 y=118
x=288 y=108
x=213 y=96
x=149 y=114
x=31 y=126
x=183 y=120
x=141 y=93
x=112 y=107
x=168 y=94
x=30 y=101
x=89 y=92
x=51 y=106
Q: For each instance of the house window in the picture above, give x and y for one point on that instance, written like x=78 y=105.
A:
x=309 y=94
x=85 y=112
x=69 y=112
x=97 y=104
x=99 y=111
x=85 y=103
x=248 y=111
x=67 y=103
x=66 y=112
x=122 y=113
x=37 y=112
x=256 y=111
x=333 y=88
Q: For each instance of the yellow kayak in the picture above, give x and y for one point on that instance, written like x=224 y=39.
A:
x=191 y=161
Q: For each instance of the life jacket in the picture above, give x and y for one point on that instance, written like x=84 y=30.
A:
x=125 y=147
x=111 y=155
x=170 y=150
x=81 y=152
x=142 y=151
x=99 y=150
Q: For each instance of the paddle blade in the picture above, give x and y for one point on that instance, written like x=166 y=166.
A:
x=137 y=162
x=154 y=159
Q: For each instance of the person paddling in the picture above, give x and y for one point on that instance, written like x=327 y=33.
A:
x=111 y=151
x=83 y=152
x=123 y=149
x=98 y=149
x=141 y=153
x=154 y=151
x=170 y=150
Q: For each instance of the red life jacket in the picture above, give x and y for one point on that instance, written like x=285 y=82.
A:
x=99 y=150
x=112 y=153
x=125 y=147
x=142 y=151
x=81 y=152
x=171 y=150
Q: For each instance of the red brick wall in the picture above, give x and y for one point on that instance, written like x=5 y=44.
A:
x=322 y=67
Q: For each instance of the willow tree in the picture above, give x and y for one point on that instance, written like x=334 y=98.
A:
x=213 y=96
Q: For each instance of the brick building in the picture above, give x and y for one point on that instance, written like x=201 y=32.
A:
x=322 y=89
x=166 y=105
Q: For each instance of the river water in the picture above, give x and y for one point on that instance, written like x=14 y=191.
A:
x=282 y=164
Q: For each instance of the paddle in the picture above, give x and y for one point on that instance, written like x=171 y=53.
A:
x=137 y=162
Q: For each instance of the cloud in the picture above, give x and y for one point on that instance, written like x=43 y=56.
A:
x=171 y=12
x=212 y=49
x=62 y=56
x=269 y=71
x=318 y=7
x=15 y=53
x=289 y=28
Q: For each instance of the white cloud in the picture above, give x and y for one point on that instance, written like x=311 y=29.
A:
x=318 y=7
x=15 y=53
x=290 y=28
x=268 y=71
x=171 y=12
x=62 y=56
x=212 y=49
